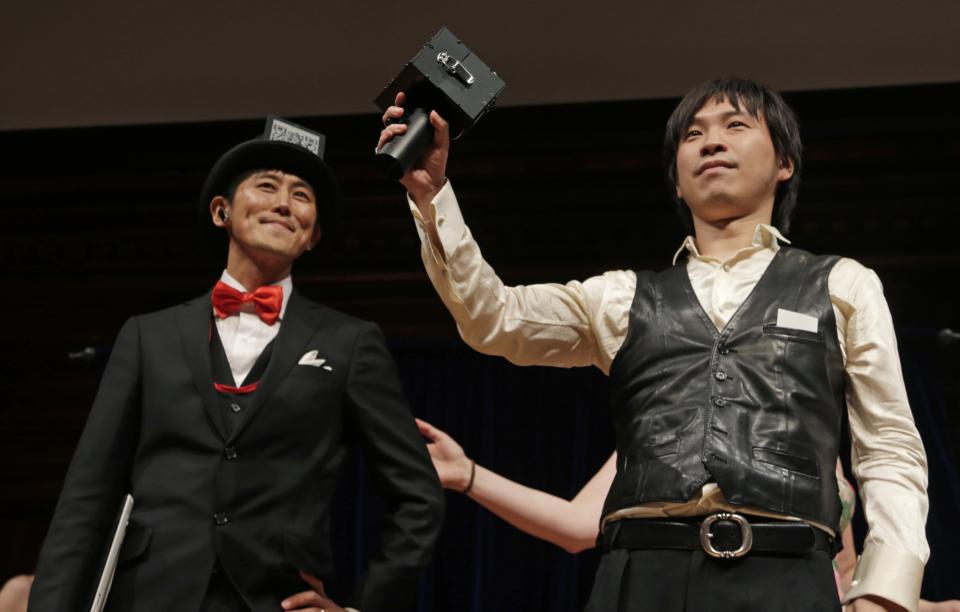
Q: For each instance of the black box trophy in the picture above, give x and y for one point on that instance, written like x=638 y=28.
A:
x=446 y=77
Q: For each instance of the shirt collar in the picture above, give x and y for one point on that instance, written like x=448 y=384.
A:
x=764 y=237
x=286 y=284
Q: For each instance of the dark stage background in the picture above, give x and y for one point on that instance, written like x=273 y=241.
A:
x=99 y=224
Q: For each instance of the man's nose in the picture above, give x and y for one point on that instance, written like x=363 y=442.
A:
x=282 y=203
x=712 y=146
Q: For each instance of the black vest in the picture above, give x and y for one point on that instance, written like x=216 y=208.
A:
x=233 y=405
x=754 y=407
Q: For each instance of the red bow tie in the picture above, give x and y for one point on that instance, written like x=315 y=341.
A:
x=266 y=301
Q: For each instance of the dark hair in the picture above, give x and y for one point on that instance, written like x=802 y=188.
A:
x=757 y=100
x=228 y=192
x=230 y=189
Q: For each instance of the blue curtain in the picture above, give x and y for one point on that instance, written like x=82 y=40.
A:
x=548 y=428
x=923 y=366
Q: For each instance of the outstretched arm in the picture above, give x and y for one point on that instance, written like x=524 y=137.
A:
x=567 y=325
x=570 y=524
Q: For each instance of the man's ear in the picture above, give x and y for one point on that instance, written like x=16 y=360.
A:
x=786 y=169
x=679 y=195
x=218 y=211
x=315 y=237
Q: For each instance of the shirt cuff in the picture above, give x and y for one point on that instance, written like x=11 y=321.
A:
x=887 y=572
x=448 y=219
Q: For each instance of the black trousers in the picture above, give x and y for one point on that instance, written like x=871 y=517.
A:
x=692 y=581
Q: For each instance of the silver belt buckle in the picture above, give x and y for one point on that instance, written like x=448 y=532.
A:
x=706 y=535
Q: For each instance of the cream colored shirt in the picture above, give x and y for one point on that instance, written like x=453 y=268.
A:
x=585 y=323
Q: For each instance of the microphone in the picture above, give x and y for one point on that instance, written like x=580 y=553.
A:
x=948 y=337
x=86 y=355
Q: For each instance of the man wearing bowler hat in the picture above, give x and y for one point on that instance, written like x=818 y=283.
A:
x=225 y=418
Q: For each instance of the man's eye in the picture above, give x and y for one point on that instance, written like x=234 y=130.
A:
x=693 y=133
x=737 y=124
x=303 y=195
x=266 y=185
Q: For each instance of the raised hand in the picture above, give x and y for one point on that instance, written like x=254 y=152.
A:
x=425 y=178
x=452 y=464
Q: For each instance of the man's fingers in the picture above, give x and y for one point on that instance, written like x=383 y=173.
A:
x=430 y=431
x=314 y=582
x=302 y=600
x=424 y=427
x=393 y=129
x=392 y=113
x=440 y=127
x=400 y=99
x=387 y=134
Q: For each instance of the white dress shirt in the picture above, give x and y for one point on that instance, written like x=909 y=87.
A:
x=585 y=323
x=244 y=335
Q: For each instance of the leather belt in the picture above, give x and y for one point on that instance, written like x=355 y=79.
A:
x=725 y=535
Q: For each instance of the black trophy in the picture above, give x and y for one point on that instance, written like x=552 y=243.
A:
x=446 y=77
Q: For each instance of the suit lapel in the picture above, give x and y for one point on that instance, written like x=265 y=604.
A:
x=296 y=329
x=193 y=322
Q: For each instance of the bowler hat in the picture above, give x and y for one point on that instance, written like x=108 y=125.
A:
x=283 y=146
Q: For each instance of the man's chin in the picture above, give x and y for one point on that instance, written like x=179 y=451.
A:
x=278 y=250
x=719 y=206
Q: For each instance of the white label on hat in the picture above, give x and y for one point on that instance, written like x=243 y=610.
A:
x=285 y=132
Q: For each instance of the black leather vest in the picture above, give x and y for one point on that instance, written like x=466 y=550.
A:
x=754 y=407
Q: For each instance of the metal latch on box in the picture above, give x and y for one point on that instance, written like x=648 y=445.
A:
x=454 y=67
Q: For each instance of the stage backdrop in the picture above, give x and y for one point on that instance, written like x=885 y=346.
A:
x=100 y=224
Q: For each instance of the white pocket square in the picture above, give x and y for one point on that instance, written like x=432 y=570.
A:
x=310 y=358
x=796 y=320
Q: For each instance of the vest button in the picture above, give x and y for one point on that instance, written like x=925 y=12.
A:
x=236 y=407
x=221 y=519
x=720 y=375
x=723 y=349
x=230 y=452
x=719 y=402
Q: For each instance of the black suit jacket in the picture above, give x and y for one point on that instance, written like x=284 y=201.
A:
x=155 y=430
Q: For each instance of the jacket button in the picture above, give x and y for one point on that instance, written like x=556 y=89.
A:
x=236 y=407
x=720 y=375
x=221 y=519
x=230 y=452
x=723 y=349
x=719 y=402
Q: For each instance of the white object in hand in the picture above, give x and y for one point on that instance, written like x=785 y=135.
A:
x=110 y=567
